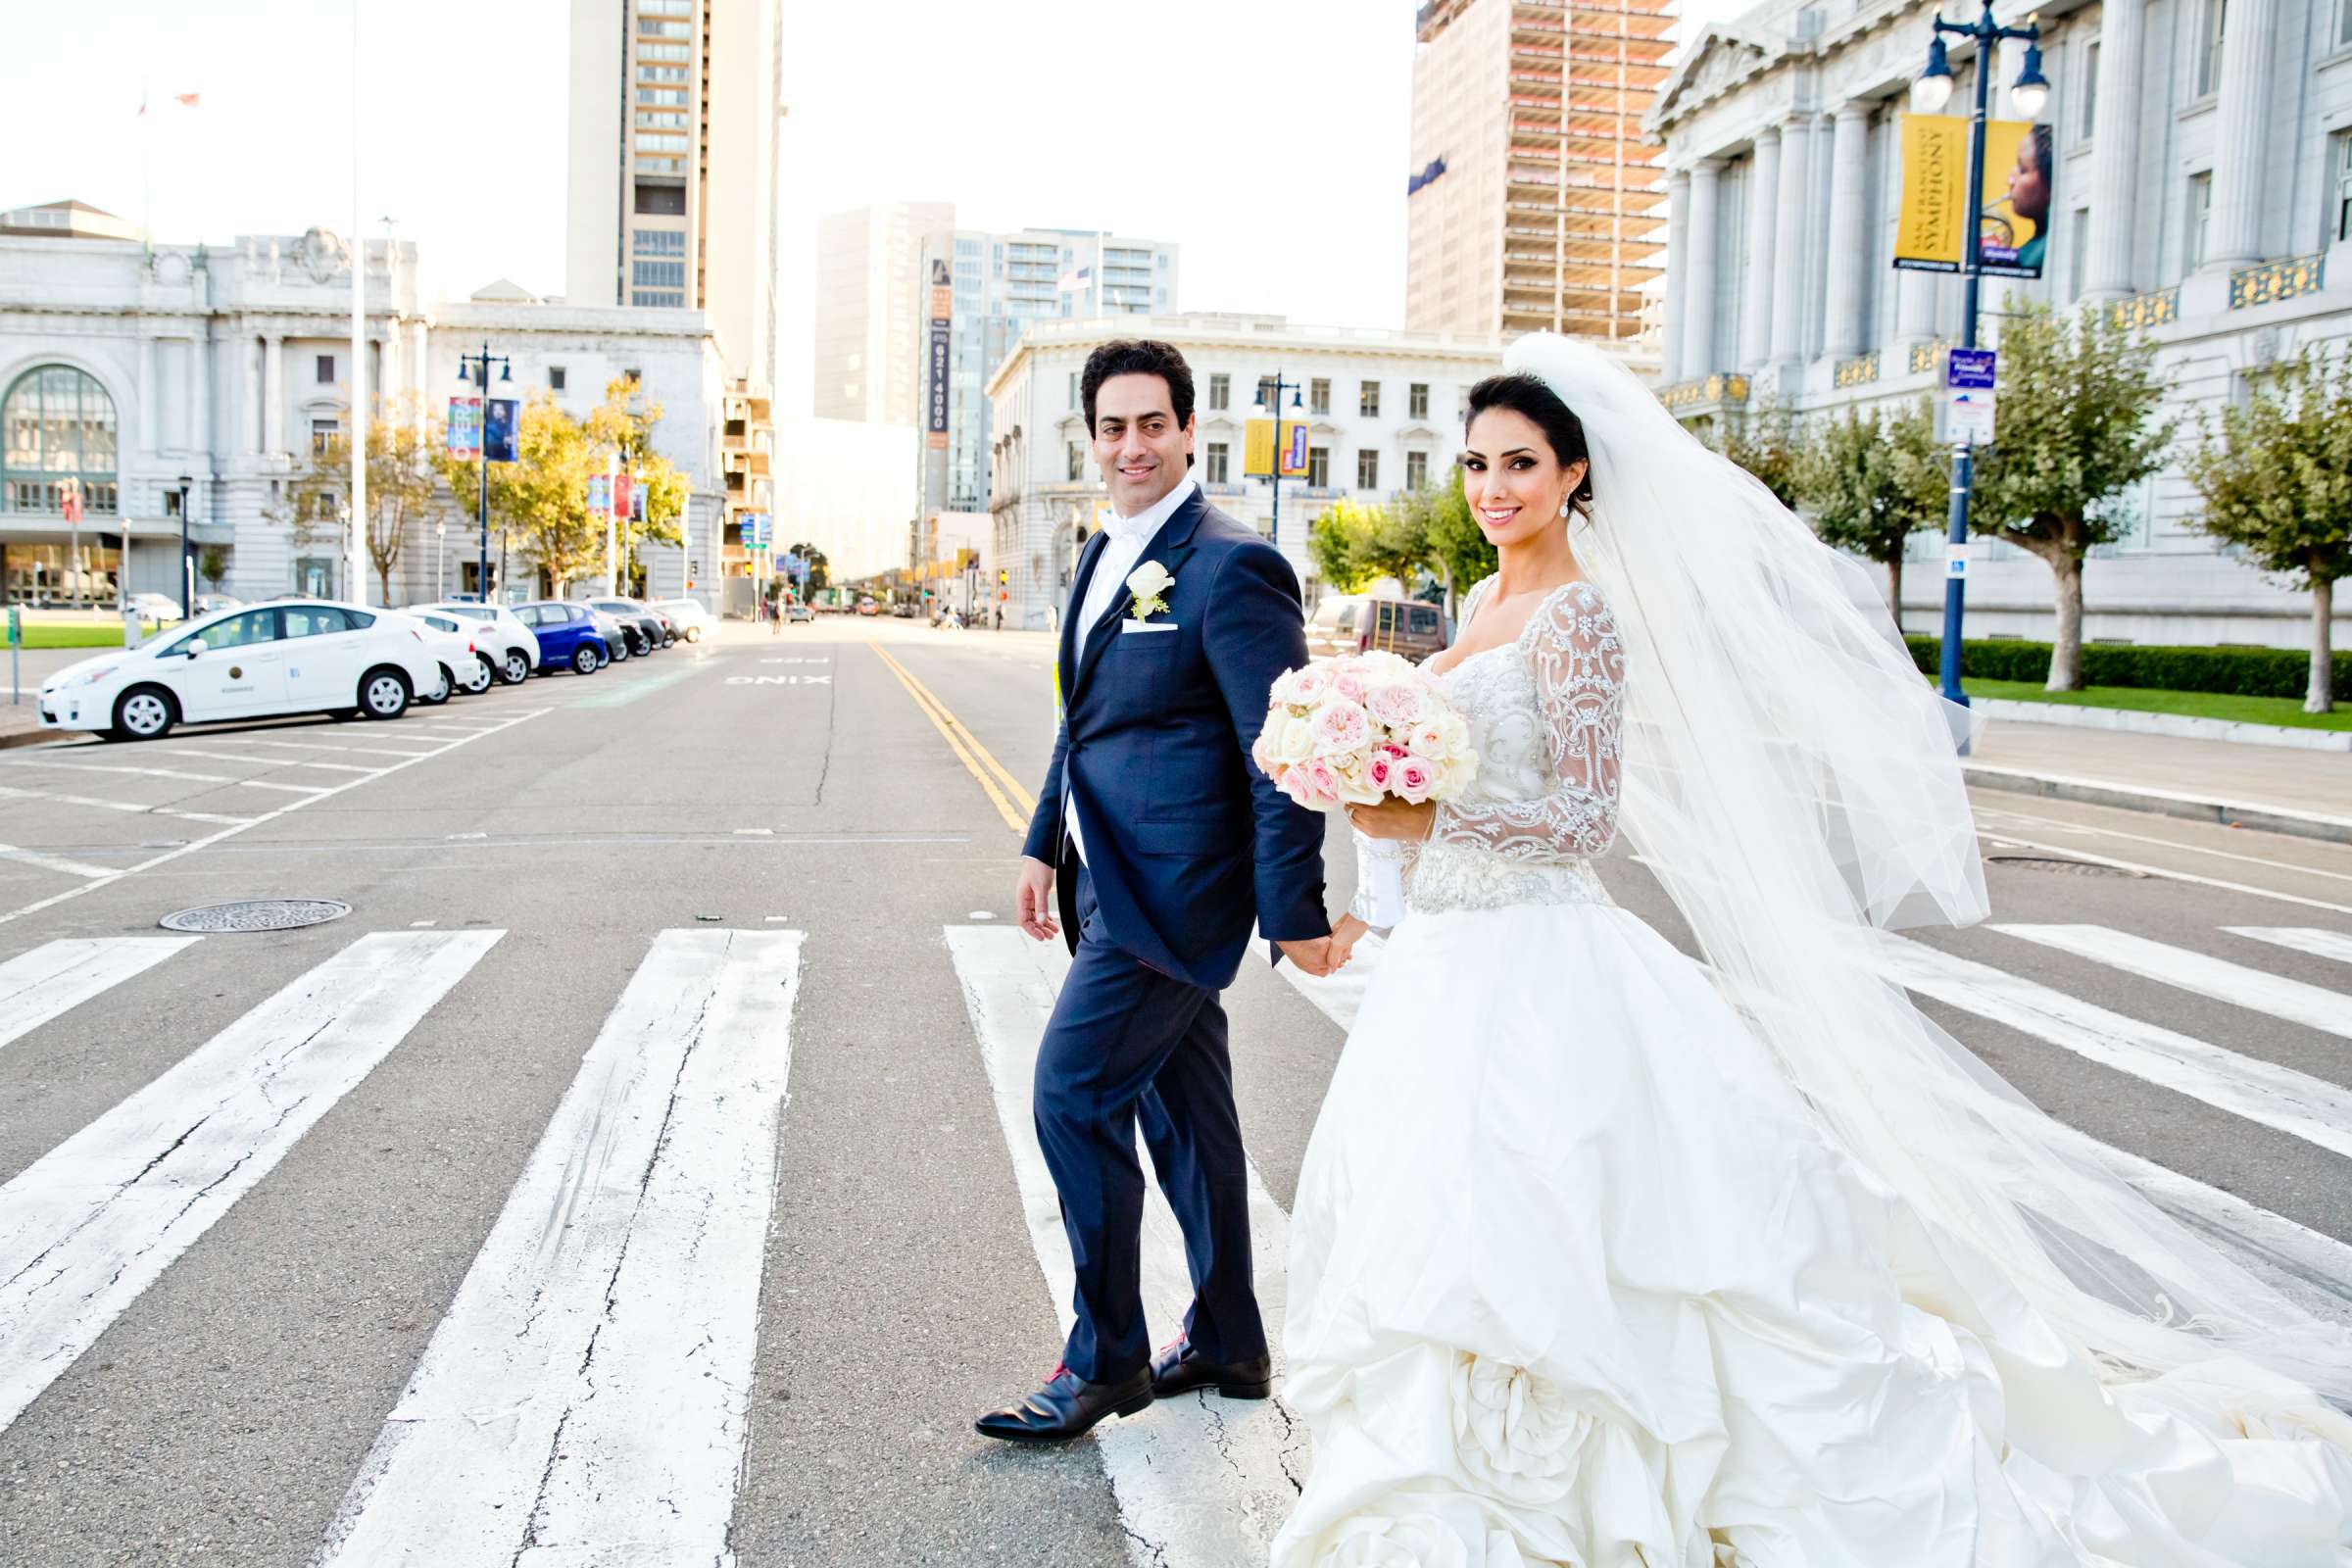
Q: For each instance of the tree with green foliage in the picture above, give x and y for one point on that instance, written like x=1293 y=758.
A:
x=1338 y=541
x=2077 y=428
x=1456 y=544
x=1868 y=483
x=542 y=497
x=212 y=565
x=623 y=425
x=403 y=461
x=2276 y=475
x=1768 y=442
x=819 y=569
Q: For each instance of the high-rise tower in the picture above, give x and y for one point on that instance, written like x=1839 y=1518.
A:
x=1535 y=201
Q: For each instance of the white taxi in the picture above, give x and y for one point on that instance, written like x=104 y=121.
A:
x=305 y=656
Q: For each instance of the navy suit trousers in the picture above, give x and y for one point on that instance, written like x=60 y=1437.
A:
x=1129 y=1044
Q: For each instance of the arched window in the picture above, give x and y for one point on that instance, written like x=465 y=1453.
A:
x=57 y=429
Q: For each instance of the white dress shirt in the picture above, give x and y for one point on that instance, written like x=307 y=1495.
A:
x=1128 y=538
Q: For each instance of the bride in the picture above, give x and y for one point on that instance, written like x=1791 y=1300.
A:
x=1602 y=1257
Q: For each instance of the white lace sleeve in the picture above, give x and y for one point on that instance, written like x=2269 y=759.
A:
x=1578 y=665
x=1378 y=900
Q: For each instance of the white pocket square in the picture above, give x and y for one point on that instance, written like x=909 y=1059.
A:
x=1130 y=628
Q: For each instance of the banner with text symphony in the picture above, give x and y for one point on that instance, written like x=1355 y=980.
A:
x=2017 y=190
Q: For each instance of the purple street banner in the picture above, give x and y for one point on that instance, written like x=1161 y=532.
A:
x=465 y=427
x=497 y=429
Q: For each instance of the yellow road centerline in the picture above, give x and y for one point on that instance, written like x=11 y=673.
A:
x=1012 y=802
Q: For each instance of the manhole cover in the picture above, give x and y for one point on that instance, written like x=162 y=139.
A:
x=2061 y=866
x=255 y=914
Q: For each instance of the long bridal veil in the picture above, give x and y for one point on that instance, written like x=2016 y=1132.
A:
x=1794 y=784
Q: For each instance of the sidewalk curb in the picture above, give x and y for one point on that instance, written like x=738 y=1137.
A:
x=2099 y=792
x=2133 y=721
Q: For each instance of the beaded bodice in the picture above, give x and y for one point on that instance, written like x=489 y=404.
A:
x=1543 y=714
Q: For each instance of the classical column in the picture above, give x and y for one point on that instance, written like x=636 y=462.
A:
x=2115 y=151
x=273 y=392
x=149 y=433
x=1763 y=221
x=200 y=394
x=1698 y=305
x=2234 y=238
x=1850 y=243
x=1678 y=269
x=1789 y=244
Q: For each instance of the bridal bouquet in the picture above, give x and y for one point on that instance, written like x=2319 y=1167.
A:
x=1349 y=730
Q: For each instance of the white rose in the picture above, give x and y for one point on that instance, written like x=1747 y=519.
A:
x=1516 y=1433
x=1297 y=742
x=1149 y=580
x=1416 y=1540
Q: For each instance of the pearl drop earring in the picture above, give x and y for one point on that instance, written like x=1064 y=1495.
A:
x=1563 y=509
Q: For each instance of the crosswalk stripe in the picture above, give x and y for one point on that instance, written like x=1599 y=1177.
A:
x=91 y=1224
x=2302 y=938
x=54 y=862
x=2312 y=1269
x=2200 y=972
x=585 y=1399
x=2280 y=1098
x=1200 y=1481
x=38 y=986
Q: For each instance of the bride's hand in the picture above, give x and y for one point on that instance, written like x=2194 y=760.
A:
x=1393 y=818
x=1345 y=934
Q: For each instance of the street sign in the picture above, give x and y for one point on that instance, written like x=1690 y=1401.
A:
x=1967 y=418
x=1956 y=559
x=1969 y=370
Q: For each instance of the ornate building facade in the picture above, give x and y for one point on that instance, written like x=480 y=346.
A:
x=2202 y=190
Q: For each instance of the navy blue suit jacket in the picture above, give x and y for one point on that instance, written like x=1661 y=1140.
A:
x=1187 y=843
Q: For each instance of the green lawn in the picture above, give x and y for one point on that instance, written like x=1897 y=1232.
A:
x=79 y=634
x=2285 y=711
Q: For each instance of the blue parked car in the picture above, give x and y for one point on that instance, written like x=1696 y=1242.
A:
x=570 y=637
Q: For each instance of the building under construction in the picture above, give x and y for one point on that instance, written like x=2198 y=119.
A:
x=1533 y=202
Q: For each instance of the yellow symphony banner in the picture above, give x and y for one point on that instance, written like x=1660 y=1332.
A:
x=2016 y=196
x=1258 y=448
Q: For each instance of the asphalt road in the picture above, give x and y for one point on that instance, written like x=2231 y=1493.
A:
x=232 y=1237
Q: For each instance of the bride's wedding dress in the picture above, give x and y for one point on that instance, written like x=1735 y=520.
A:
x=1578 y=1277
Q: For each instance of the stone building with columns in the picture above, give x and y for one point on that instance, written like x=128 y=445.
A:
x=2202 y=191
x=130 y=368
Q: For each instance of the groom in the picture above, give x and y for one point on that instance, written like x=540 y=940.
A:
x=1165 y=843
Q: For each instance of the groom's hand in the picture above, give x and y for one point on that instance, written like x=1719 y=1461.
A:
x=1033 y=901
x=1311 y=956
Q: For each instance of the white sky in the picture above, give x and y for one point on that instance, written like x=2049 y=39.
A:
x=1267 y=138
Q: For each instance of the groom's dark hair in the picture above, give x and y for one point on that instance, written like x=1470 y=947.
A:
x=1139 y=356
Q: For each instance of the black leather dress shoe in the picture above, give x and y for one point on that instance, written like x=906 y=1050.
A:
x=1065 y=1408
x=1179 y=1370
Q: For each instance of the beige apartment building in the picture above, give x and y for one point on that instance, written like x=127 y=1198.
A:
x=674 y=165
x=868 y=353
x=1536 y=199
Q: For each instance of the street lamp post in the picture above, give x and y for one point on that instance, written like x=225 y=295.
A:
x=187 y=575
x=1928 y=94
x=1269 y=406
x=473 y=370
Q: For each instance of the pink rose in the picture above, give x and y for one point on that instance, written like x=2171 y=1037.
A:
x=1340 y=728
x=1397 y=706
x=1381 y=772
x=1319 y=784
x=1291 y=781
x=1259 y=755
x=1426 y=737
x=1415 y=780
x=1391 y=748
x=1348 y=684
x=1307 y=685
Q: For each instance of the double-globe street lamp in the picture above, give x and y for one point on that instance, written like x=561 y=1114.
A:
x=1269 y=406
x=473 y=370
x=1928 y=94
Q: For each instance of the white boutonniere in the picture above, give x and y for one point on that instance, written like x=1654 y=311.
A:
x=1147 y=583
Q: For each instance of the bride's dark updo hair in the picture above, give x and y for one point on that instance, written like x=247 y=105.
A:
x=1563 y=431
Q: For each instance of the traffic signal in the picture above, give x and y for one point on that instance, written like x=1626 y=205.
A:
x=1004 y=576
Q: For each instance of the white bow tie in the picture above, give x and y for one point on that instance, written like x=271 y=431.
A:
x=1127 y=528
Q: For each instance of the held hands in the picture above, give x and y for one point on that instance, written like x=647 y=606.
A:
x=1343 y=937
x=1033 y=901
x=1393 y=818
x=1312 y=956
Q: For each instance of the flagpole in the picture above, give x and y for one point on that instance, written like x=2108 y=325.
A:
x=353 y=567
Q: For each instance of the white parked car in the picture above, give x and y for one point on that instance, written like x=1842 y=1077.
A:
x=306 y=656
x=693 y=621
x=155 y=607
x=463 y=670
x=504 y=643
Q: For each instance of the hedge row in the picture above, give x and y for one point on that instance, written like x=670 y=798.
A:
x=2231 y=672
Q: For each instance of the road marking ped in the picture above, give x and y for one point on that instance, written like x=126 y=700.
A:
x=2302 y=938
x=1198 y=1483
x=1990 y=814
x=2293 y=1103
x=91 y=1224
x=2200 y=972
x=779 y=680
x=238 y=825
x=38 y=986
x=98 y=803
x=2170 y=875
x=1012 y=802
x=53 y=862
x=585 y=1399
